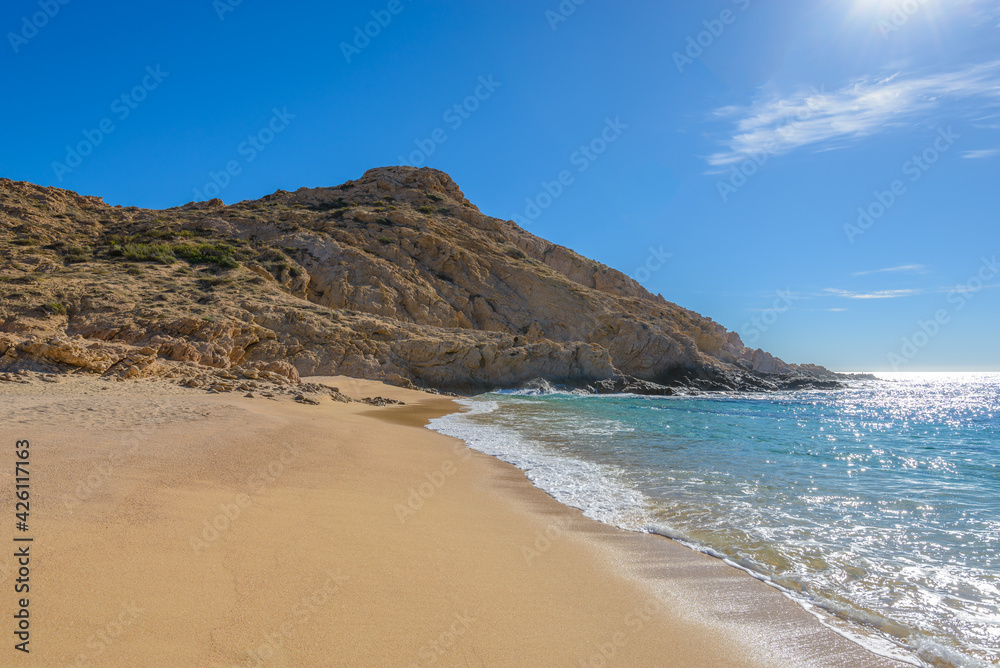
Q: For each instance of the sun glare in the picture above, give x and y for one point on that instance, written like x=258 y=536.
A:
x=892 y=8
x=889 y=17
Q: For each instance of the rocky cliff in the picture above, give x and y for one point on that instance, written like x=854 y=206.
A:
x=394 y=276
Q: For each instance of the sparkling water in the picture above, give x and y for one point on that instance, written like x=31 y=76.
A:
x=878 y=504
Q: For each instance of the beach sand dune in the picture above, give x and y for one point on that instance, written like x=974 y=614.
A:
x=176 y=528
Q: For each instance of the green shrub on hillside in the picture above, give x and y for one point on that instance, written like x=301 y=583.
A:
x=218 y=254
x=77 y=254
x=143 y=252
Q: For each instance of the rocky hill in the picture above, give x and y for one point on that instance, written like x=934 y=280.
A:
x=394 y=276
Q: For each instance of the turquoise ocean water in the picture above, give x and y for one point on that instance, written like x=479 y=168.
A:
x=876 y=506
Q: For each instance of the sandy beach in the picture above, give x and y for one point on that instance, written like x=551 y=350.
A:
x=176 y=528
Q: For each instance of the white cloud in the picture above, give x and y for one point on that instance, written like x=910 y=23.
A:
x=981 y=154
x=878 y=294
x=906 y=267
x=830 y=120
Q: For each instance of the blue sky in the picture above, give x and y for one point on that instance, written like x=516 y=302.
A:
x=819 y=176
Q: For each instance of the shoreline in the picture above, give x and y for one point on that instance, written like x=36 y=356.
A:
x=633 y=521
x=650 y=551
x=347 y=534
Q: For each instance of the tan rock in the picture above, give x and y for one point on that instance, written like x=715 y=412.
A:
x=393 y=276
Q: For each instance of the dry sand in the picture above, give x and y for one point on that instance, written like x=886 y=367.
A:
x=176 y=528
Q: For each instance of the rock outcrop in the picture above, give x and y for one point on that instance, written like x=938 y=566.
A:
x=394 y=276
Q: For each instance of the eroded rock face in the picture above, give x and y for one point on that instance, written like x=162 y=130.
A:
x=393 y=276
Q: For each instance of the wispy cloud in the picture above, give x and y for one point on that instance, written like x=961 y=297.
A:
x=841 y=293
x=878 y=294
x=826 y=121
x=987 y=122
x=916 y=268
x=981 y=154
x=965 y=287
x=985 y=11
